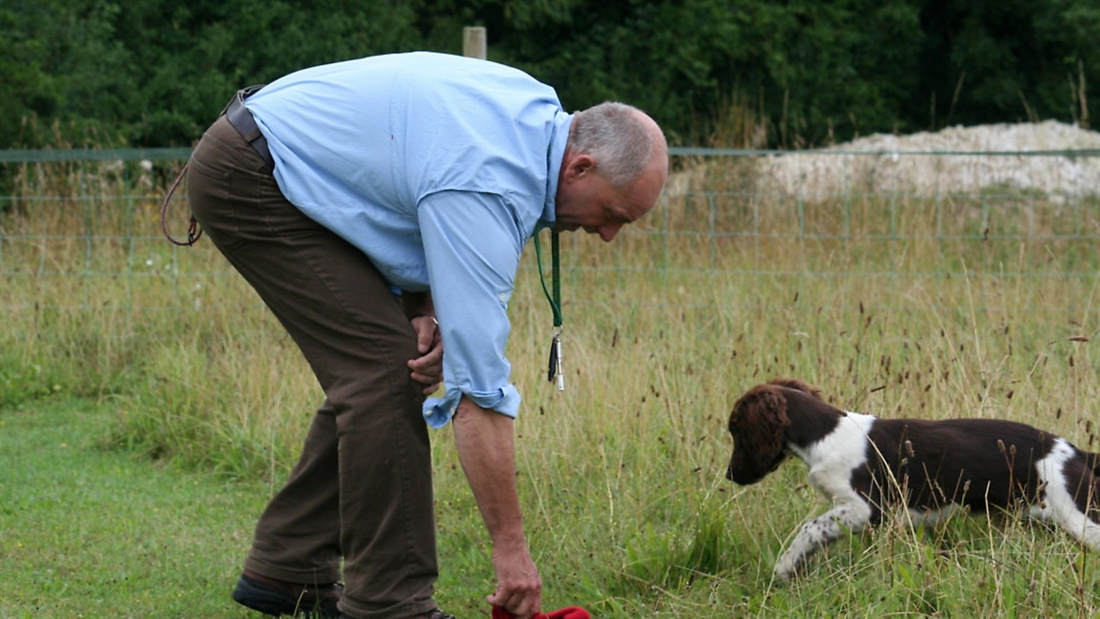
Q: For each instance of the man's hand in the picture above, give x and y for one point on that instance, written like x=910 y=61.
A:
x=427 y=369
x=519 y=587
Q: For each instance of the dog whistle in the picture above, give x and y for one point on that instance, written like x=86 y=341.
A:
x=554 y=369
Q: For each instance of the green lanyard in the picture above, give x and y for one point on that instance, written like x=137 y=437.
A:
x=554 y=370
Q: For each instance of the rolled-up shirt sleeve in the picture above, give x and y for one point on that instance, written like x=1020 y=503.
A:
x=472 y=244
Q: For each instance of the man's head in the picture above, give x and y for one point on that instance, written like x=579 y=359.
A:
x=615 y=165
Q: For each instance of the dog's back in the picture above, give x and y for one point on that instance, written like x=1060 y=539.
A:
x=972 y=462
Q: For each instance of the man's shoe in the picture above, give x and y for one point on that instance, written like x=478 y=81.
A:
x=277 y=597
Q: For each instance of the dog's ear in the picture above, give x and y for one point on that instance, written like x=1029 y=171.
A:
x=798 y=385
x=764 y=421
x=758 y=425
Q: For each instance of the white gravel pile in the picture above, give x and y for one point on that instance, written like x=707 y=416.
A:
x=915 y=164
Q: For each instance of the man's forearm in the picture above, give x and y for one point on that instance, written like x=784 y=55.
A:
x=486 y=449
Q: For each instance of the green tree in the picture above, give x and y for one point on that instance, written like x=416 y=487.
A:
x=809 y=73
x=190 y=57
x=156 y=72
x=811 y=69
x=51 y=51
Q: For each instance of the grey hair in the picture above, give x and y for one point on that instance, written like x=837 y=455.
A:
x=616 y=138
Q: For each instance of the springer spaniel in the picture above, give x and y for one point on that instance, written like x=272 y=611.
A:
x=864 y=464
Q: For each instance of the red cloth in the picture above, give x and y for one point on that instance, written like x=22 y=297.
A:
x=571 y=612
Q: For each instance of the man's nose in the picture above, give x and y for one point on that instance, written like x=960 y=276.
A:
x=608 y=231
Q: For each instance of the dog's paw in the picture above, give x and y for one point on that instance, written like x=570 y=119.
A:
x=787 y=567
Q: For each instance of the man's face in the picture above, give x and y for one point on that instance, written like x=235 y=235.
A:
x=586 y=200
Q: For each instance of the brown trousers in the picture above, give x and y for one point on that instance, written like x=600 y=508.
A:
x=362 y=488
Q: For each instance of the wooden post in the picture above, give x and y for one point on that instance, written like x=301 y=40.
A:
x=473 y=42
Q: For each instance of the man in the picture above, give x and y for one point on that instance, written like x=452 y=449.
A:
x=380 y=207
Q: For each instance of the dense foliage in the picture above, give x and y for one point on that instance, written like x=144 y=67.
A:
x=786 y=73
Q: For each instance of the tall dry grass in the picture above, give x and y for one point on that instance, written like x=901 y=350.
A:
x=976 y=305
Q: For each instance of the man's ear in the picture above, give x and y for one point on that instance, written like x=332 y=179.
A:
x=579 y=166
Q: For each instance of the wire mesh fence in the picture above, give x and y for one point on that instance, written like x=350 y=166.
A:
x=908 y=218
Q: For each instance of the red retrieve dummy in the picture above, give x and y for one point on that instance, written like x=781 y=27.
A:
x=572 y=612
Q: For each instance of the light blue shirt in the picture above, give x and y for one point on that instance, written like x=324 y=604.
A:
x=439 y=168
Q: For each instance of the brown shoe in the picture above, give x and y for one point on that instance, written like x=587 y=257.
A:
x=278 y=597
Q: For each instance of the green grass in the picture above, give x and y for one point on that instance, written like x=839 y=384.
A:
x=90 y=532
x=894 y=305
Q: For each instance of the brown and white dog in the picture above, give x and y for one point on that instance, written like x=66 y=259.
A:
x=864 y=465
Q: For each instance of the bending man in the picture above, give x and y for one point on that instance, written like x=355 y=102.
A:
x=380 y=207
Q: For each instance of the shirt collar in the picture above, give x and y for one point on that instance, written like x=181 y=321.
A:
x=555 y=153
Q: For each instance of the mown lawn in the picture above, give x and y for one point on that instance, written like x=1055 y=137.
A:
x=89 y=532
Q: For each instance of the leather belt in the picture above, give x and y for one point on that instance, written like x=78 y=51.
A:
x=241 y=119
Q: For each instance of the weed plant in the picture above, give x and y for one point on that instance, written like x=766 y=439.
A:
x=895 y=305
